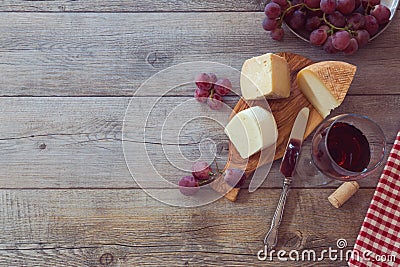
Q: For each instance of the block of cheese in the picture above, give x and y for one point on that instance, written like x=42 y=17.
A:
x=325 y=84
x=252 y=130
x=265 y=76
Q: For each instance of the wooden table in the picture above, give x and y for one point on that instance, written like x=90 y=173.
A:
x=68 y=70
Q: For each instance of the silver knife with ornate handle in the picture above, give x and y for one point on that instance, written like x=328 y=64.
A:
x=287 y=168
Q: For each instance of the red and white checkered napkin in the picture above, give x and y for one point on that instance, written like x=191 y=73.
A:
x=378 y=243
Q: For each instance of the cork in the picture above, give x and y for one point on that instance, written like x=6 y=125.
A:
x=343 y=193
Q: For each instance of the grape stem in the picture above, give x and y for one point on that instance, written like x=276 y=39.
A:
x=212 y=174
x=290 y=8
x=286 y=11
x=208 y=181
x=215 y=173
x=301 y=5
x=334 y=27
x=369 y=6
x=212 y=93
x=216 y=165
x=312 y=9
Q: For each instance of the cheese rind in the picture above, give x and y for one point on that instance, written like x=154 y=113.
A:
x=252 y=130
x=325 y=84
x=265 y=76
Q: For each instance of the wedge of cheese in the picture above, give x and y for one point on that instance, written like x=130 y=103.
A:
x=325 y=84
x=252 y=130
x=265 y=76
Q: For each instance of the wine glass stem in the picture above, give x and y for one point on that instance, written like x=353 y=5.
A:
x=306 y=170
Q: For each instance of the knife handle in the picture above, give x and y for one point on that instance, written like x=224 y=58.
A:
x=272 y=236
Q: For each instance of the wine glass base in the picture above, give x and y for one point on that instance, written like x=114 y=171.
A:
x=309 y=174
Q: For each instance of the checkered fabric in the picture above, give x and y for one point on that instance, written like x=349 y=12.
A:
x=378 y=243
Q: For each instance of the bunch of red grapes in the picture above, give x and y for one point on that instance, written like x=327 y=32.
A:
x=210 y=90
x=203 y=174
x=337 y=25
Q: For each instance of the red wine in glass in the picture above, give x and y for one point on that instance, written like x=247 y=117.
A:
x=344 y=147
x=348 y=147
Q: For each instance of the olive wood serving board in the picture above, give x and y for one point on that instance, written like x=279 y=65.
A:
x=285 y=112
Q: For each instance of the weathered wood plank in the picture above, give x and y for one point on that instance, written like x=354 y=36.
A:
x=132 y=6
x=54 y=142
x=109 y=54
x=128 y=228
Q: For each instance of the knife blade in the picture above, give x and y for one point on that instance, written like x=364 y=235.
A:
x=295 y=141
x=287 y=168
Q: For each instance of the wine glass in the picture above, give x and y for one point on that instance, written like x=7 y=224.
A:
x=347 y=147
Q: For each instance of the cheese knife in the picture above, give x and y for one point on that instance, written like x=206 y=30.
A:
x=287 y=168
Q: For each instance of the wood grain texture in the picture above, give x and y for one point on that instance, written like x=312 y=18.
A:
x=91 y=212
x=128 y=228
x=132 y=6
x=89 y=54
x=54 y=142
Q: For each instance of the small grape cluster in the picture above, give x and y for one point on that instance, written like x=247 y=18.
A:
x=203 y=174
x=337 y=25
x=210 y=89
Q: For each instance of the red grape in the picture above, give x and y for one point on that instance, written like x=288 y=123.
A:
x=203 y=81
x=356 y=21
x=371 y=3
x=318 y=37
x=351 y=48
x=368 y=4
x=346 y=6
x=285 y=7
x=371 y=25
x=337 y=19
x=201 y=170
x=381 y=13
x=348 y=26
x=340 y=40
x=188 y=185
x=328 y=47
x=223 y=87
x=328 y=6
x=366 y=8
x=213 y=78
x=234 y=177
x=312 y=3
x=280 y=2
x=374 y=2
x=362 y=37
x=297 y=20
x=277 y=34
x=269 y=24
x=312 y=23
x=325 y=28
x=289 y=13
x=357 y=4
x=316 y=12
x=201 y=95
x=272 y=10
x=215 y=102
